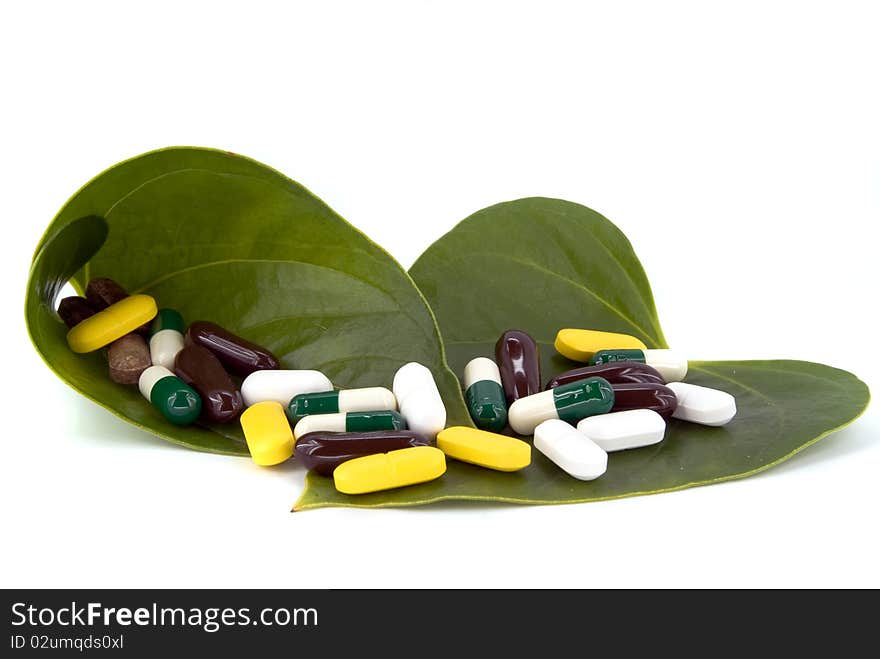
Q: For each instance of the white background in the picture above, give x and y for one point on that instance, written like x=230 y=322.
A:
x=737 y=148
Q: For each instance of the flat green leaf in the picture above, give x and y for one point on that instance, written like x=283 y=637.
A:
x=543 y=264
x=224 y=238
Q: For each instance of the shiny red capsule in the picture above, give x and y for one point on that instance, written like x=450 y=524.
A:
x=519 y=364
x=238 y=355
x=644 y=396
x=615 y=373
x=200 y=369
x=322 y=452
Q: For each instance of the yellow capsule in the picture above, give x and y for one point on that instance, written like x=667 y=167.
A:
x=580 y=344
x=483 y=448
x=385 y=471
x=112 y=323
x=267 y=432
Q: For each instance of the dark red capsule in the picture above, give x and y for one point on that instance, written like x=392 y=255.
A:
x=644 y=396
x=73 y=310
x=103 y=291
x=322 y=452
x=238 y=355
x=200 y=369
x=519 y=363
x=615 y=373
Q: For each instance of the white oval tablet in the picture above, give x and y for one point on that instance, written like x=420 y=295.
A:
x=697 y=404
x=570 y=450
x=419 y=399
x=619 y=431
x=282 y=385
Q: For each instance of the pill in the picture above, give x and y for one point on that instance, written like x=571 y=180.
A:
x=199 y=368
x=267 y=433
x=282 y=385
x=385 y=471
x=322 y=452
x=101 y=292
x=237 y=355
x=614 y=372
x=419 y=399
x=128 y=357
x=484 y=394
x=483 y=448
x=350 y=422
x=569 y=402
x=644 y=396
x=710 y=407
x=112 y=323
x=176 y=400
x=346 y=400
x=580 y=344
x=571 y=450
x=166 y=337
x=73 y=310
x=519 y=363
x=619 y=431
x=672 y=366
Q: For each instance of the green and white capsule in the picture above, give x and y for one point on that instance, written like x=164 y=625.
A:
x=346 y=400
x=350 y=422
x=176 y=400
x=568 y=402
x=484 y=394
x=166 y=337
x=671 y=366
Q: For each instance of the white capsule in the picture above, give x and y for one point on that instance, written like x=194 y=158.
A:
x=282 y=385
x=479 y=369
x=333 y=422
x=619 y=431
x=164 y=346
x=671 y=365
x=572 y=451
x=526 y=413
x=697 y=404
x=150 y=377
x=419 y=399
x=366 y=399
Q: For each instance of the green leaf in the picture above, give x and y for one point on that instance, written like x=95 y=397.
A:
x=224 y=238
x=542 y=264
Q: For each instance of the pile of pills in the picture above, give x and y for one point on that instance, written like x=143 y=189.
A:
x=373 y=438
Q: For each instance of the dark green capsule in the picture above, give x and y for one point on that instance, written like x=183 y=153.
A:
x=578 y=400
x=322 y=402
x=609 y=356
x=167 y=319
x=487 y=405
x=378 y=420
x=178 y=402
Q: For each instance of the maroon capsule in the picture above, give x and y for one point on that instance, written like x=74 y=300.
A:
x=614 y=372
x=75 y=309
x=322 y=452
x=644 y=396
x=519 y=363
x=200 y=369
x=238 y=355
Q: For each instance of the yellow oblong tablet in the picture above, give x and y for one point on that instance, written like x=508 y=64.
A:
x=385 y=471
x=112 y=323
x=483 y=448
x=580 y=344
x=267 y=432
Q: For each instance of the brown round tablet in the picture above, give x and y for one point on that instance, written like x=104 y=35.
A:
x=128 y=357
